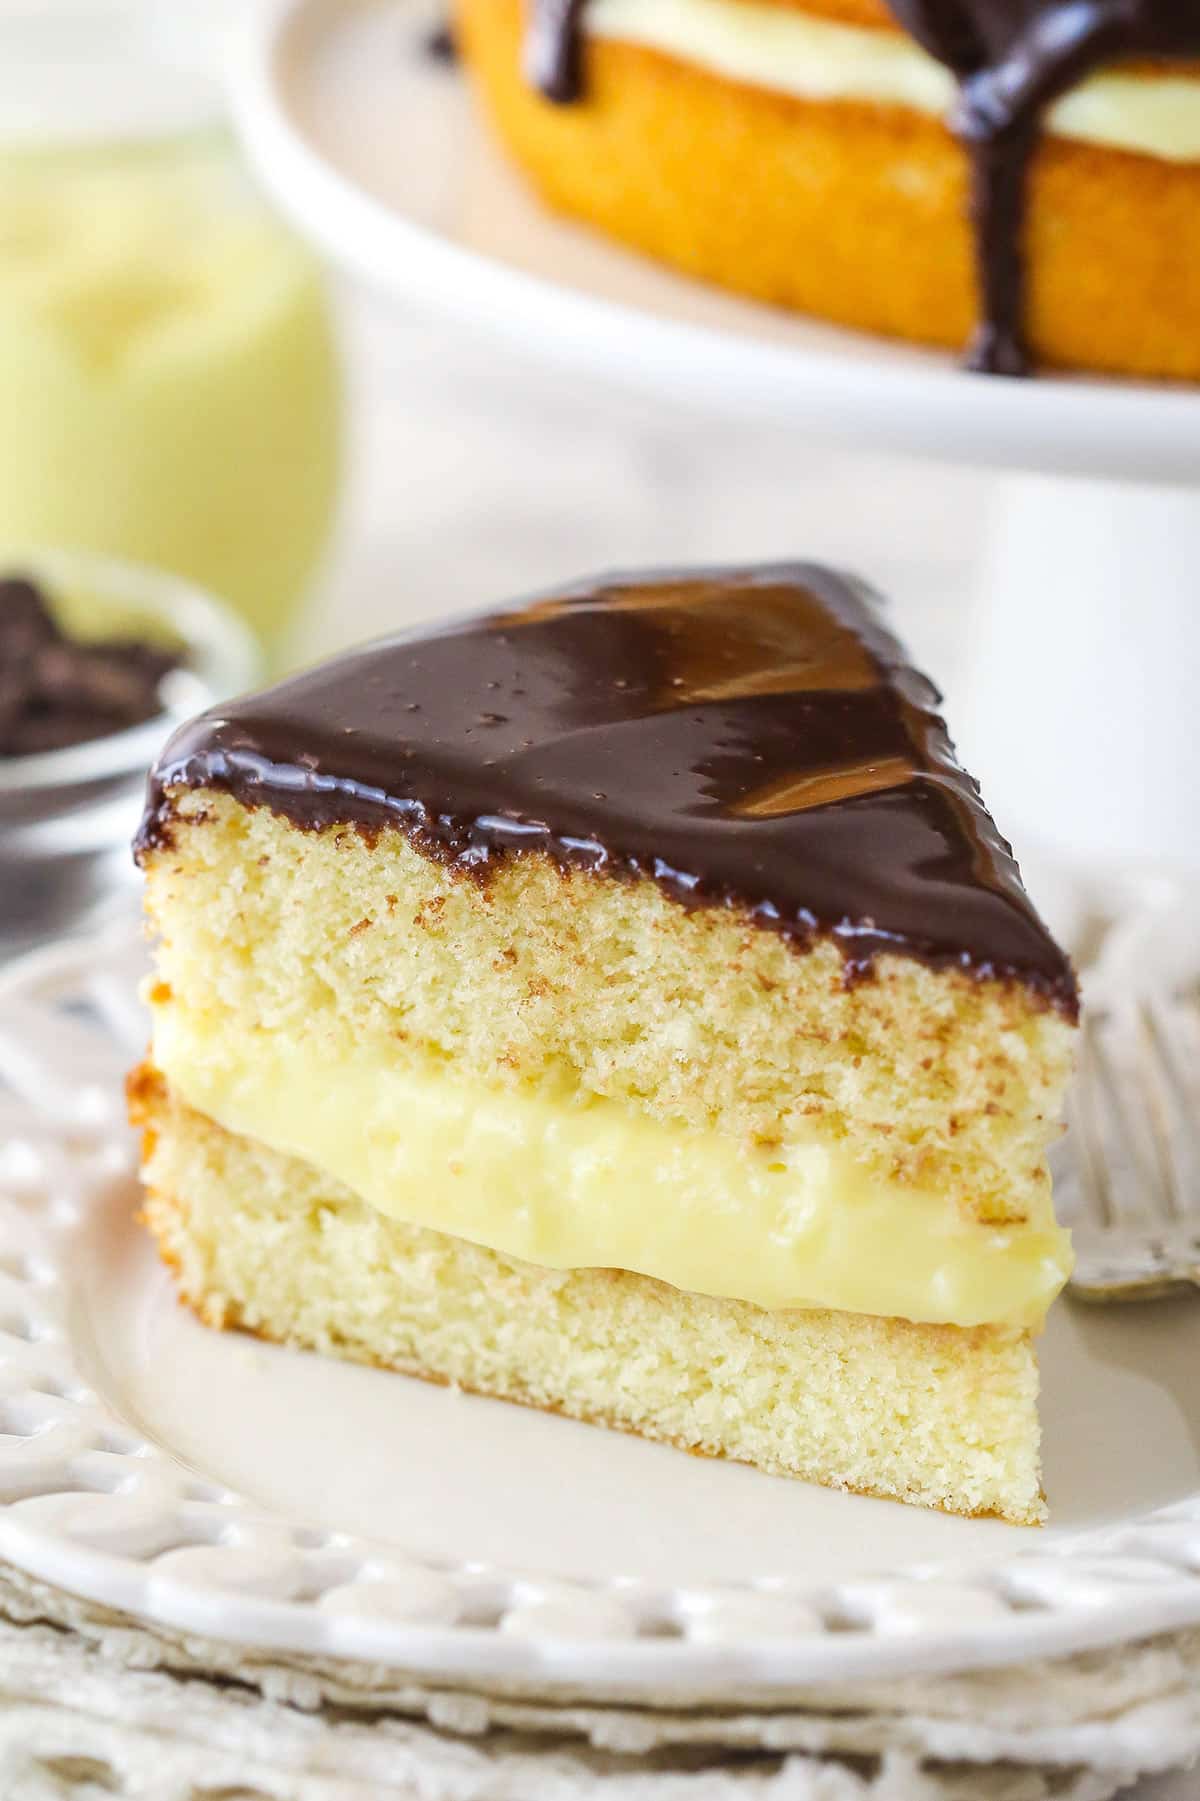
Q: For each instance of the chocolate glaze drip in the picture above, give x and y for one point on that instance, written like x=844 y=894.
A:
x=554 y=49
x=1012 y=59
x=749 y=738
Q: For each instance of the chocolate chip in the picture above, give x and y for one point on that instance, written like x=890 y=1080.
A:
x=57 y=691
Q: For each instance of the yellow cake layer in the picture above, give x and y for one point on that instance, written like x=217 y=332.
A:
x=577 y=1182
x=922 y=1413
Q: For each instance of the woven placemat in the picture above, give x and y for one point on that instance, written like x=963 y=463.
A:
x=94 y=1703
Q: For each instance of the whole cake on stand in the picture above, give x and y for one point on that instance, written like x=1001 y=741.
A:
x=1011 y=163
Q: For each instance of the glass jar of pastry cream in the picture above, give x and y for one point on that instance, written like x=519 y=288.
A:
x=168 y=375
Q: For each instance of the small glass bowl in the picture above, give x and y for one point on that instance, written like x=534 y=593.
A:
x=67 y=816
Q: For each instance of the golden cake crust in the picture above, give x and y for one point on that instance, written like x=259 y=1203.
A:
x=855 y=213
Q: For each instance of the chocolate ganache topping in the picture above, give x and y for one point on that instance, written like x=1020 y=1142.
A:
x=1012 y=59
x=750 y=738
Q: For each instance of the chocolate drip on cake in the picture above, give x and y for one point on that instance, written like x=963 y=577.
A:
x=554 y=49
x=746 y=738
x=1012 y=59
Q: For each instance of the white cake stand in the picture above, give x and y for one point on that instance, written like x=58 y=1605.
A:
x=1082 y=704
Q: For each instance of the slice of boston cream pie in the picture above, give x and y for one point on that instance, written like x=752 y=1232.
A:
x=621 y=1003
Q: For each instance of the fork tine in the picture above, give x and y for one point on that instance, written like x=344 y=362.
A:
x=1188 y=1069
x=1188 y=1015
x=1086 y=1161
x=1133 y=1150
x=1172 y=1104
x=1183 y=1061
x=1135 y=1180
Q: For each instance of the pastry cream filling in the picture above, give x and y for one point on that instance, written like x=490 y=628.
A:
x=818 y=59
x=568 y=1182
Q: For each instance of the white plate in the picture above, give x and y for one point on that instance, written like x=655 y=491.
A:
x=216 y=1485
x=376 y=153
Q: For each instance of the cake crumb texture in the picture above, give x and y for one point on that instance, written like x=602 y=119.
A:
x=577 y=983
x=929 y=1414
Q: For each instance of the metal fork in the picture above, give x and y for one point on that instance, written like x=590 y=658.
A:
x=1127 y=1174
